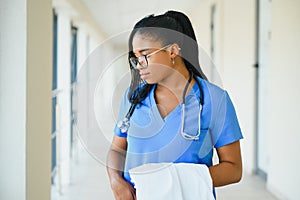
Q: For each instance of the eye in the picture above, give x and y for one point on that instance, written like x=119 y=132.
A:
x=142 y=52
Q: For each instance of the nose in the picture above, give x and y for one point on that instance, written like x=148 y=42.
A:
x=139 y=66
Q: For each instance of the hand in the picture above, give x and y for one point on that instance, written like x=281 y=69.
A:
x=123 y=190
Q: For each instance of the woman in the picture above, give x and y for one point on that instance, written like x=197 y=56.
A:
x=171 y=113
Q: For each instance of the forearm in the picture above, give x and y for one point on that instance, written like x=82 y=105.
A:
x=225 y=173
x=115 y=165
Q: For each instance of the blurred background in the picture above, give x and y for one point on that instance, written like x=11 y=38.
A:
x=63 y=70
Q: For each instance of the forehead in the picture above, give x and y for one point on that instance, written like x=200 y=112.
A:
x=142 y=42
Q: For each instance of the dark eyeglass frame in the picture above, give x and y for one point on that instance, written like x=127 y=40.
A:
x=143 y=60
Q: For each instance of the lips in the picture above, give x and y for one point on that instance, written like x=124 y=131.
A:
x=144 y=74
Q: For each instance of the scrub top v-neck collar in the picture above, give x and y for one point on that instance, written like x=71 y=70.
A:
x=176 y=110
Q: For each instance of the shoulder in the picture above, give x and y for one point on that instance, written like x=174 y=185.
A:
x=140 y=94
x=211 y=90
x=132 y=91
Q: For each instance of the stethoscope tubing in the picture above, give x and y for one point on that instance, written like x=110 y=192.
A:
x=125 y=123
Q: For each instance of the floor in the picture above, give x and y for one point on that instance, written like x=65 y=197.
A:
x=89 y=181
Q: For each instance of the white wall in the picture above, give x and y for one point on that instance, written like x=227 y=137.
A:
x=284 y=176
x=25 y=101
x=235 y=60
x=82 y=48
x=238 y=58
x=200 y=18
x=63 y=98
x=12 y=99
x=237 y=49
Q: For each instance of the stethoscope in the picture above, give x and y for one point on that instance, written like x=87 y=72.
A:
x=124 y=124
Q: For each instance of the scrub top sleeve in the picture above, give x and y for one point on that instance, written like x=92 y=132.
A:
x=124 y=107
x=226 y=128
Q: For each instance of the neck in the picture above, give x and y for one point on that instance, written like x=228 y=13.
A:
x=175 y=84
x=177 y=80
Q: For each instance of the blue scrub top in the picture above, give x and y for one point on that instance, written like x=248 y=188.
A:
x=153 y=139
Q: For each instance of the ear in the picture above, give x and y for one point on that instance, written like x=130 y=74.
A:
x=175 y=50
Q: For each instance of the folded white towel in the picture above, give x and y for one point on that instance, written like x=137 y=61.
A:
x=170 y=181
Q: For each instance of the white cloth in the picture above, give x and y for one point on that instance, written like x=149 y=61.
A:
x=170 y=181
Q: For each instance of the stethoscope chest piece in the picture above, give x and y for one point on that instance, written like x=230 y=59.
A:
x=124 y=124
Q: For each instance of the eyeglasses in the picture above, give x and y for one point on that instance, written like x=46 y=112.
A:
x=143 y=60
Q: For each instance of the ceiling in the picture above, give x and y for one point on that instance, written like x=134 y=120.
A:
x=116 y=16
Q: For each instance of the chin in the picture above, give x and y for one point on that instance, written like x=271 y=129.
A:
x=149 y=81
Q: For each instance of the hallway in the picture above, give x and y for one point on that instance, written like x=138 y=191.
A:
x=90 y=182
x=61 y=61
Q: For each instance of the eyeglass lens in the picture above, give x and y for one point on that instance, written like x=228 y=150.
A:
x=141 y=60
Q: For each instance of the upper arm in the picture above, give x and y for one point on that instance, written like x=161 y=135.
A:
x=231 y=153
x=119 y=144
x=229 y=170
